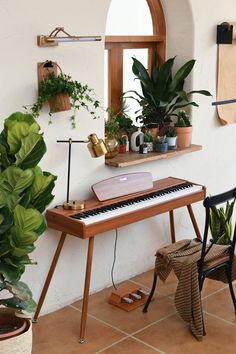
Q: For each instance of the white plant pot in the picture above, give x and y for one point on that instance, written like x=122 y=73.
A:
x=171 y=141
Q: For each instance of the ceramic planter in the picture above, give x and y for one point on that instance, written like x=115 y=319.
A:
x=161 y=147
x=184 y=137
x=171 y=141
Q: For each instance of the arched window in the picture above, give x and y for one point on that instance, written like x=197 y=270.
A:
x=134 y=28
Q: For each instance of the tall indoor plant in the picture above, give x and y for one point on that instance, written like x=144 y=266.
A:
x=25 y=191
x=162 y=92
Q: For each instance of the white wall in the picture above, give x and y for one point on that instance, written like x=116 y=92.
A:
x=191 y=30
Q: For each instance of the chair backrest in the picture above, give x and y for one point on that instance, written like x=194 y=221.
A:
x=210 y=204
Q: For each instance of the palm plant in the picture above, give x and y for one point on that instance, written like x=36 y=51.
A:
x=162 y=92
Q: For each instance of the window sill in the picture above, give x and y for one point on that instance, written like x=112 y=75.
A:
x=134 y=158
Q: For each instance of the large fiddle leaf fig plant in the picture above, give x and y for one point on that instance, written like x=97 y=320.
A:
x=162 y=92
x=25 y=191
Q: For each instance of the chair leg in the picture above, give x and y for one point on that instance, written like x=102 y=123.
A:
x=151 y=293
x=229 y=276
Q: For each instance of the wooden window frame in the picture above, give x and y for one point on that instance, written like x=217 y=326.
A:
x=115 y=45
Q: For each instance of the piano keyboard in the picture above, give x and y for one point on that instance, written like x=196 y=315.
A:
x=137 y=203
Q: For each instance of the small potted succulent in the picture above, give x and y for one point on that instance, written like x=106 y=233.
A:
x=161 y=145
x=148 y=140
x=171 y=137
x=122 y=140
x=183 y=129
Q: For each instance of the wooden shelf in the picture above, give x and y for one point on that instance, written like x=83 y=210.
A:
x=134 y=158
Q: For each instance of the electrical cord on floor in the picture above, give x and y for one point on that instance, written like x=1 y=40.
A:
x=114 y=261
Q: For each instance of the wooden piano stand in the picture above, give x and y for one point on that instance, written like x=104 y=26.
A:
x=58 y=219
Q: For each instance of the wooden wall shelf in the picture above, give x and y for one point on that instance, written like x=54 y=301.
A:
x=134 y=158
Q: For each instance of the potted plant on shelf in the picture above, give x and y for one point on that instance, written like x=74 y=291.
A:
x=183 y=129
x=162 y=92
x=171 y=136
x=25 y=191
x=111 y=135
x=161 y=145
x=63 y=93
x=148 y=140
x=122 y=140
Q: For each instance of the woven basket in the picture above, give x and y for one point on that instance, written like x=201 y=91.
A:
x=20 y=344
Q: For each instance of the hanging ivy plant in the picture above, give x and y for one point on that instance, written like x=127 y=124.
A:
x=79 y=96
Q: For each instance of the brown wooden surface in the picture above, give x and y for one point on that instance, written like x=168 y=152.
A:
x=134 y=158
x=118 y=186
x=86 y=288
x=49 y=276
x=59 y=219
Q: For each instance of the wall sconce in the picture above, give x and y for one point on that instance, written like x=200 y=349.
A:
x=53 y=39
x=96 y=148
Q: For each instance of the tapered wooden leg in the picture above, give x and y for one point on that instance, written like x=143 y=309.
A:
x=172 y=226
x=195 y=226
x=86 y=290
x=49 y=276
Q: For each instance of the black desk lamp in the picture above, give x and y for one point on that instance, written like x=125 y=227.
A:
x=96 y=148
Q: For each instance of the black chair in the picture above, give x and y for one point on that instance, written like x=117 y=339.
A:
x=207 y=265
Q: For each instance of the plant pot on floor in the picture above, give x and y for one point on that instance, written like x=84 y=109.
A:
x=60 y=102
x=184 y=136
x=15 y=333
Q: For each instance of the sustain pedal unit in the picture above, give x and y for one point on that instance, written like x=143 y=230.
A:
x=128 y=297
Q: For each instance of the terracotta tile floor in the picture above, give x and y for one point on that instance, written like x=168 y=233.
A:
x=112 y=331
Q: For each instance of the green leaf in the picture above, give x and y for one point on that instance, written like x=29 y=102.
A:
x=15 y=179
x=28 y=305
x=19 y=117
x=28 y=220
x=181 y=74
x=40 y=184
x=20 y=290
x=6 y=220
x=9 y=273
x=18 y=131
x=32 y=150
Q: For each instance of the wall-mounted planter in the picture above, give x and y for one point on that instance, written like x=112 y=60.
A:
x=60 y=102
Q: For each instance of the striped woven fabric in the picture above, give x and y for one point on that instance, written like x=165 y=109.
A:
x=182 y=257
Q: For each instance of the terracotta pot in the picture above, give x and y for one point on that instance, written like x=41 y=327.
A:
x=60 y=102
x=122 y=148
x=184 y=136
x=18 y=340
